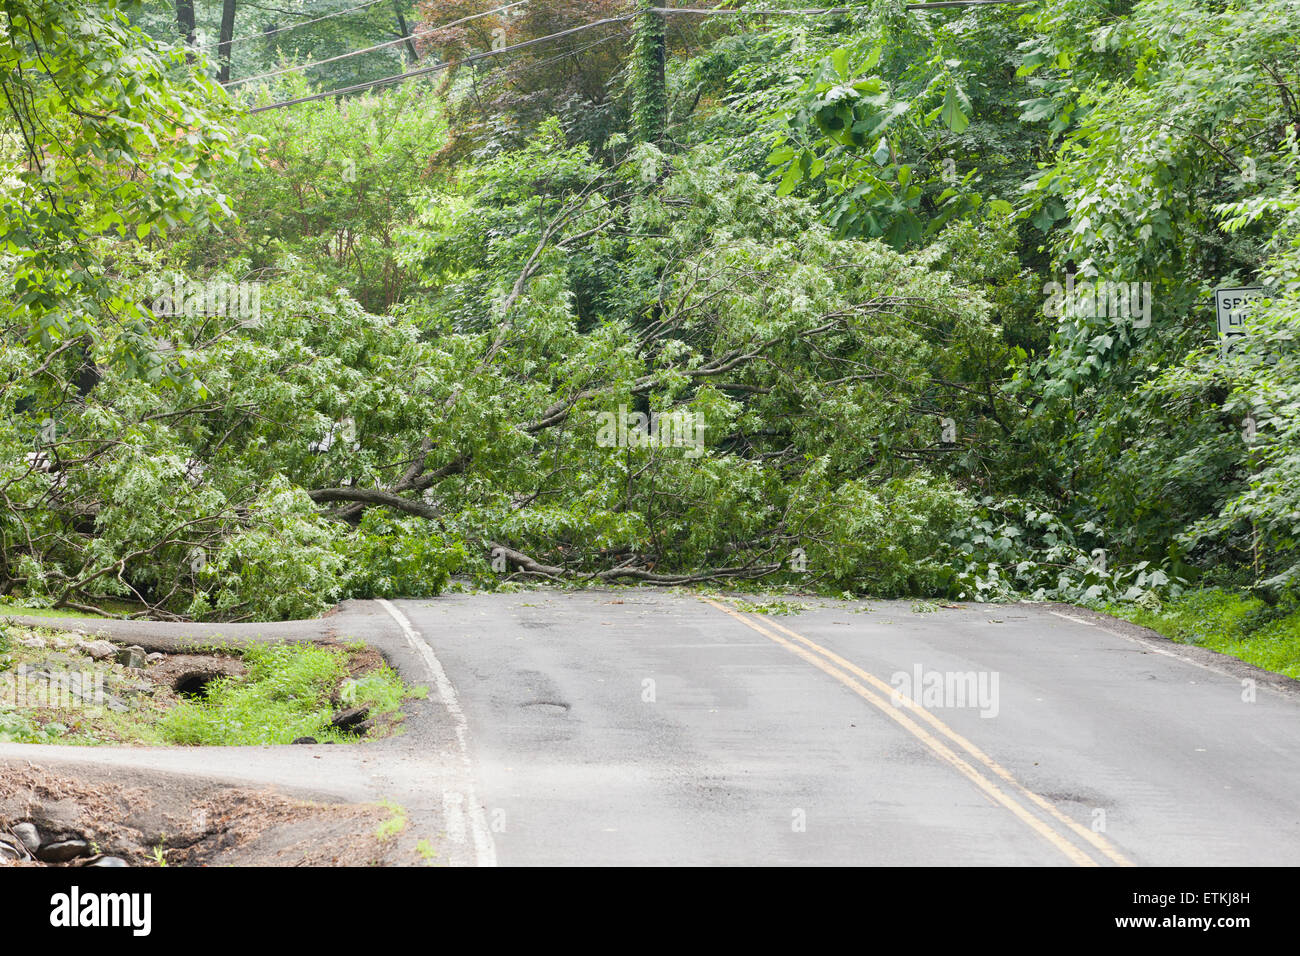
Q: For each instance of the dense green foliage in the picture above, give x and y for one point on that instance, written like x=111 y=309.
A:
x=362 y=344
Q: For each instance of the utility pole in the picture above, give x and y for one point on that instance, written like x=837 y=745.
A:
x=649 y=93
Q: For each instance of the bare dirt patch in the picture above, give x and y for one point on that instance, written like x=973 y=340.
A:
x=362 y=659
x=167 y=821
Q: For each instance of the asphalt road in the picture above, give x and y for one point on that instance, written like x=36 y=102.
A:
x=638 y=727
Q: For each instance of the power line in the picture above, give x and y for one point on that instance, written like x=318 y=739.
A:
x=963 y=3
x=399 y=77
x=377 y=46
x=292 y=26
x=660 y=10
x=424 y=71
x=581 y=49
x=811 y=11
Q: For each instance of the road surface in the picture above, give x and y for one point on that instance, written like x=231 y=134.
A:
x=643 y=727
x=638 y=727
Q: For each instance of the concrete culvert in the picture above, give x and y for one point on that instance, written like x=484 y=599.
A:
x=195 y=683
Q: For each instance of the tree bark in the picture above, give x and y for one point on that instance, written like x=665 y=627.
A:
x=405 y=31
x=185 y=20
x=223 y=41
x=375 y=496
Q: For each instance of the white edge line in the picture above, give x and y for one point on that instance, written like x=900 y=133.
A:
x=1152 y=644
x=1071 y=617
x=484 y=848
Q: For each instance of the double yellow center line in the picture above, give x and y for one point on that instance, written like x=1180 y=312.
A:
x=984 y=772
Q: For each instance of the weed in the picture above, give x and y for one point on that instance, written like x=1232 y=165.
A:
x=394 y=824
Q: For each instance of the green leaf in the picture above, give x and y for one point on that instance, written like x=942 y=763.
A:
x=951 y=113
x=793 y=174
x=1036 y=110
x=840 y=62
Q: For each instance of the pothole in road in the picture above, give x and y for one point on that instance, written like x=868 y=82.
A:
x=548 y=706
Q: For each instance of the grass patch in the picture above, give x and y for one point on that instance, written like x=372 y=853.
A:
x=383 y=692
x=1228 y=622
x=271 y=694
x=291 y=691
x=394 y=825
x=24 y=610
x=286 y=695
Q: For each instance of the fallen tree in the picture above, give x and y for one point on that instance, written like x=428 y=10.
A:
x=805 y=378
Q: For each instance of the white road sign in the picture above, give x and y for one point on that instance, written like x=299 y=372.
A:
x=1232 y=305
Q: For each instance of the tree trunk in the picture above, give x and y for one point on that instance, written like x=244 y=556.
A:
x=405 y=31
x=185 y=20
x=223 y=42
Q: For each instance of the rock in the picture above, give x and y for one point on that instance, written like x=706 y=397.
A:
x=83 y=687
x=29 y=835
x=133 y=657
x=347 y=720
x=9 y=853
x=306 y=740
x=99 y=649
x=54 y=816
x=56 y=663
x=363 y=728
x=63 y=851
x=135 y=690
x=37 y=643
x=155 y=657
x=109 y=861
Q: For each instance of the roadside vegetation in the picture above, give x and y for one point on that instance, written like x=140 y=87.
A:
x=1267 y=636
x=106 y=608
x=290 y=692
x=821 y=315
x=62 y=688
